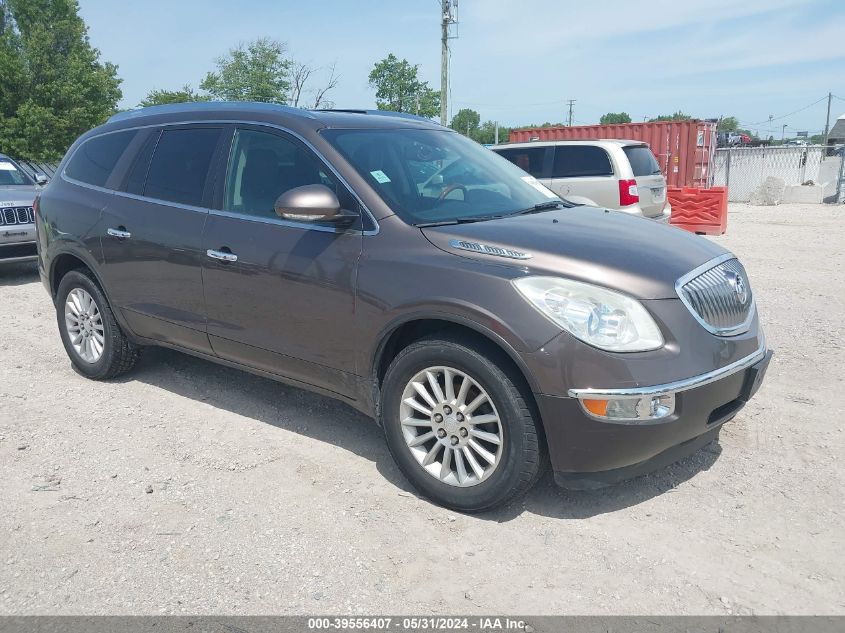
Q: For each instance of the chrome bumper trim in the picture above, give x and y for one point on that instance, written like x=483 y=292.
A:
x=673 y=387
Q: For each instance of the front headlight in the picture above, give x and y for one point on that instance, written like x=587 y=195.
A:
x=600 y=317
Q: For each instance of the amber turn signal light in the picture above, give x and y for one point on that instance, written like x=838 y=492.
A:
x=596 y=407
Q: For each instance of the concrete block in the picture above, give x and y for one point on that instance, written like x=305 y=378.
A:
x=828 y=174
x=803 y=194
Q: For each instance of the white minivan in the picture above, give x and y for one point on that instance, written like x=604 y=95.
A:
x=613 y=174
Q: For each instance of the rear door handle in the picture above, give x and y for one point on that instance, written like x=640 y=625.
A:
x=223 y=256
x=119 y=233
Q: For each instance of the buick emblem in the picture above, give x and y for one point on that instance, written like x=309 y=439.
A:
x=737 y=283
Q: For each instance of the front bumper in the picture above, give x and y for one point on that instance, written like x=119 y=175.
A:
x=17 y=243
x=587 y=451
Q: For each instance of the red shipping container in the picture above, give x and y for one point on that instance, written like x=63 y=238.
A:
x=703 y=211
x=684 y=149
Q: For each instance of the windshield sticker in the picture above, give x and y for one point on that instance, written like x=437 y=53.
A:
x=6 y=166
x=380 y=176
x=531 y=180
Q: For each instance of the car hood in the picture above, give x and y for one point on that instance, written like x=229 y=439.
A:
x=18 y=194
x=639 y=257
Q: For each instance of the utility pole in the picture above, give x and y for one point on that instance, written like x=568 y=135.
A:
x=571 y=103
x=783 y=131
x=448 y=17
x=496 y=137
x=827 y=118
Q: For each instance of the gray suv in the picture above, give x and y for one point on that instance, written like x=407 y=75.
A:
x=17 y=220
x=489 y=326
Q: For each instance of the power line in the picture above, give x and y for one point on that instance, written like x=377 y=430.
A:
x=500 y=106
x=783 y=116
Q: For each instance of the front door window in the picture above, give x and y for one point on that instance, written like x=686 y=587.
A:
x=263 y=166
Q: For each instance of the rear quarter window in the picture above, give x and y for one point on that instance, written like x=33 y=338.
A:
x=528 y=159
x=643 y=162
x=580 y=161
x=94 y=160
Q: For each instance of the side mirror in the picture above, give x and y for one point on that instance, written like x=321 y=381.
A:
x=309 y=203
x=41 y=179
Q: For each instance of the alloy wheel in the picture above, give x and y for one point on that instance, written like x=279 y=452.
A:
x=84 y=325
x=451 y=426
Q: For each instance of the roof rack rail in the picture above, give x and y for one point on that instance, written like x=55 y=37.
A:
x=391 y=113
x=207 y=106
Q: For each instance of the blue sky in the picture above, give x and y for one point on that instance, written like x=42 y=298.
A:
x=517 y=62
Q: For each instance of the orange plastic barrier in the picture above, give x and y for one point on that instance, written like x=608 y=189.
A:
x=703 y=211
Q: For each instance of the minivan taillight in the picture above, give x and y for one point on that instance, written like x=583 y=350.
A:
x=628 y=193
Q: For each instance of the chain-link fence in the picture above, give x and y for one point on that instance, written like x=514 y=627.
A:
x=744 y=169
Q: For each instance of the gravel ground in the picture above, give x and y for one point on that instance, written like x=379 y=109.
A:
x=187 y=487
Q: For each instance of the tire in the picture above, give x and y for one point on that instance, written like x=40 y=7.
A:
x=117 y=354
x=520 y=456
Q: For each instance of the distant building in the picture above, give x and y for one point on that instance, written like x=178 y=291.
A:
x=837 y=132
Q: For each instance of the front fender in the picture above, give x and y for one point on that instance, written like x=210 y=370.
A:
x=453 y=317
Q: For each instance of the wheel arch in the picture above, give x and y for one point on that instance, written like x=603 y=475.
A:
x=415 y=327
x=62 y=263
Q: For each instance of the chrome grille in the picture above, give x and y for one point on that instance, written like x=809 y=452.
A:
x=16 y=215
x=719 y=297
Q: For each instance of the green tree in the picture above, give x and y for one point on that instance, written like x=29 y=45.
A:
x=53 y=85
x=677 y=116
x=487 y=133
x=258 y=71
x=615 y=117
x=728 y=124
x=398 y=88
x=466 y=121
x=163 y=97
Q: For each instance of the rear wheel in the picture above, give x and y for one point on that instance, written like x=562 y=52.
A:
x=458 y=426
x=93 y=340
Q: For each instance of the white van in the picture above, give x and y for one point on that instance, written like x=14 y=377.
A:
x=622 y=175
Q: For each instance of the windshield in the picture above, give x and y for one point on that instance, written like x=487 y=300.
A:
x=11 y=175
x=432 y=176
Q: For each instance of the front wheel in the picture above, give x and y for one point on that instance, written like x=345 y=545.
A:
x=458 y=426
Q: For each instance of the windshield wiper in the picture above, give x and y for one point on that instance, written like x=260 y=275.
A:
x=537 y=208
x=477 y=218
x=542 y=206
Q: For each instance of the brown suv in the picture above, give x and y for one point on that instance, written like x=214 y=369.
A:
x=383 y=260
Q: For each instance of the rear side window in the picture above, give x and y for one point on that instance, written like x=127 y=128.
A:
x=642 y=160
x=95 y=159
x=179 y=168
x=580 y=161
x=528 y=159
x=140 y=165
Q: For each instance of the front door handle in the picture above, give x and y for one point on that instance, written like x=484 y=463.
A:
x=121 y=233
x=223 y=256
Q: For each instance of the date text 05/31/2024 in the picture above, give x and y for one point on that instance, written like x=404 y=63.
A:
x=418 y=623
